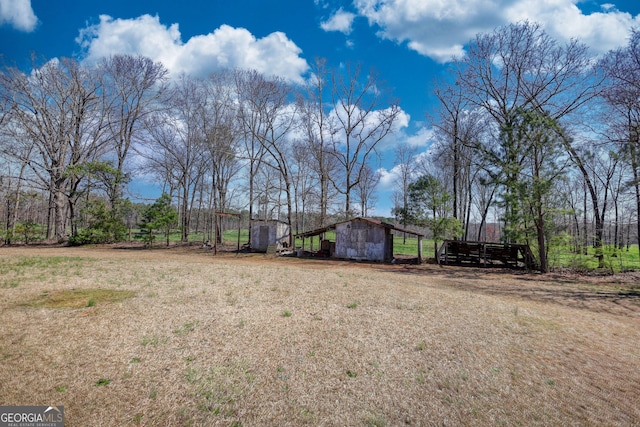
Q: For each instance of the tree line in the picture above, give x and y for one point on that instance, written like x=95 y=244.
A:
x=541 y=134
x=534 y=141
x=72 y=136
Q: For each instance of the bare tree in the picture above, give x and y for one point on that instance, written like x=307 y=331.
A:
x=460 y=128
x=132 y=88
x=304 y=183
x=622 y=94
x=277 y=118
x=364 y=116
x=249 y=117
x=317 y=125
x=365 y=190
x=222 y=135
x=406 y=165
x=57 y=109
x=176 y=142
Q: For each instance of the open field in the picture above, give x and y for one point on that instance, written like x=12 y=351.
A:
x=168 y=337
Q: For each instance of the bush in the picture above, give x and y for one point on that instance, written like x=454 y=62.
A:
x=28 y=230
x=105 y=226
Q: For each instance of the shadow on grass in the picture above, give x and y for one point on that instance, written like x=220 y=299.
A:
x=599 y=294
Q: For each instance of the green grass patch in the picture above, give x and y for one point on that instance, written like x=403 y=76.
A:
x=78 y=298
x=15 y=271
x=219 y=388
x=103 y=382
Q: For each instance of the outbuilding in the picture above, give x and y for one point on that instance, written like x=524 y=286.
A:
x=265 y=233
x=365 y=239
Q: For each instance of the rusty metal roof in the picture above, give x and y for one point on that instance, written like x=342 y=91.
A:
x=373 y=221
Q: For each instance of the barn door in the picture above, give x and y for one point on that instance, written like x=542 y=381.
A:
x=264 y=236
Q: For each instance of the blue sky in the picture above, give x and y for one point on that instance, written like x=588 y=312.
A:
x=407 y=41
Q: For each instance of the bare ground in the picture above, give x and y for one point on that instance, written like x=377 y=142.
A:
x=254 y=340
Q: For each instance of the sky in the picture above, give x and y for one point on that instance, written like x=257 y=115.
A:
x=408 y=42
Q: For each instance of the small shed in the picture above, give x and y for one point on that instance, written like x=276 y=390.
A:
x=363 y=239
x=265 y=233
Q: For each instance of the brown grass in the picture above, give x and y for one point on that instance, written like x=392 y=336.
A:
x=77 y=298
x=254 y=340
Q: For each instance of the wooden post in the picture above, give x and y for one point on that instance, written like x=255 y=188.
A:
x=239 y=221
x=215 y=236
x=420 y=250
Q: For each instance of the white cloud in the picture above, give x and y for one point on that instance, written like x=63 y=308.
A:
x=417 y=136
x=340 y=21
x=422 y=138
x=226 y=47
x=19 y=14
x=439 y=29
x=602 y=31
x=388 y=178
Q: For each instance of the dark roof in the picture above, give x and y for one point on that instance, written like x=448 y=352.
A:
x=372 y=221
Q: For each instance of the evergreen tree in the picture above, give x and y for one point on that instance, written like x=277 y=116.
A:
x=159 y=216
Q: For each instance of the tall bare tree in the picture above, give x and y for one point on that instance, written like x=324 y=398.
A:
x=132 y=89
x=622 y=94
x=406 y=165
x=247 y=89
x=305 y=184
x=175 y=146
x=57 y=109
x=460 y=127
x=222 y=134
x=317 y=124
x=272 y=104
x=365 y=190
x=364 y=115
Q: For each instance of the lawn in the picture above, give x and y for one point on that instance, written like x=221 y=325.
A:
x=132 y=337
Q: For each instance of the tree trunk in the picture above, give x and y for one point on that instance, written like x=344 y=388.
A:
x=636 y=186
x=59 y=217
x=184 y=210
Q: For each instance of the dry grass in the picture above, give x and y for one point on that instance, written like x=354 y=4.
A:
x=252 y=340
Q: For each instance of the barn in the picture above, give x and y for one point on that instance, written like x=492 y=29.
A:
x=265 y=233
x=365 y=239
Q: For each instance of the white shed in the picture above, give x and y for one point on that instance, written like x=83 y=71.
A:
x=269 y=232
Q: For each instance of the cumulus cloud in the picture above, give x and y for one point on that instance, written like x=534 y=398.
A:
x=602 y=31
x=341 y=21
x=439 y=29
x=226 y=47
x=388 y=178
x=422 y=138
x=19 y=14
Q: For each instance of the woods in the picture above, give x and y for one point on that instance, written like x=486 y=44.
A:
x=534 y=142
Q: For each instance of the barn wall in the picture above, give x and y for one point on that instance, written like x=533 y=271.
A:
x=265 y=233
x=360 y=240
x=280 y=235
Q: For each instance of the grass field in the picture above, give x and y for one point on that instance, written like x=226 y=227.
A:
x=133 y=337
